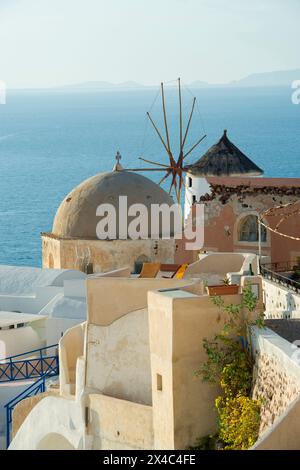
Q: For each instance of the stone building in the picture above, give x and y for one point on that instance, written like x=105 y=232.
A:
x=232 y=206
x=73 y=242
x=234 y=194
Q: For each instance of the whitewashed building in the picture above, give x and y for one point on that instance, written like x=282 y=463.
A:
x=222 y=159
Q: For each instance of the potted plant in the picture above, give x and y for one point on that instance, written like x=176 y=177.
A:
x=224 y=289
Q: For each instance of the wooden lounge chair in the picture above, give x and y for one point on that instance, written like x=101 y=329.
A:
x=168 y=271
x=149 y=270
x=180 y=271
x=177 y=270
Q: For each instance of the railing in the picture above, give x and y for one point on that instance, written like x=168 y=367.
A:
x=278 y=277
x=281 y=266
x=14 y=368
x=34 y=389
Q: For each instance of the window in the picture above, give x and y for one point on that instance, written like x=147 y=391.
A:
x=89 y=268
x=248 y=230
x=190 y=182
x=194 y=198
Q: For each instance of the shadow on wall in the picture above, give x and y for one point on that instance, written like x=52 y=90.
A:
x=54 y=441
x=71 y=347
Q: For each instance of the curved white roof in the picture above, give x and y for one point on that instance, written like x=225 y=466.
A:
x=23 y=280
x=65 y=307
x=15 y=318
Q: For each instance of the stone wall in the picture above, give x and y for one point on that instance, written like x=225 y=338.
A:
x=276 y=375
x=274 y=387
x=280 y=302
x=103 y=255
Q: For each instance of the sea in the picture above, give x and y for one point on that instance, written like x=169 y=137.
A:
x=50 y=141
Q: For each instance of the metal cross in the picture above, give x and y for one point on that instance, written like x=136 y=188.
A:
x=118 y=157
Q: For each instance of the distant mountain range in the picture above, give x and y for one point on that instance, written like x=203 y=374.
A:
x=100 y=85
x=267 y=79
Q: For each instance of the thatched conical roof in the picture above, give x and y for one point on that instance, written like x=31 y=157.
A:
x=224 y=159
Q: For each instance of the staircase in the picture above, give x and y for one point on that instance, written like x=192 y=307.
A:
x=39 y=365
x=34 y=389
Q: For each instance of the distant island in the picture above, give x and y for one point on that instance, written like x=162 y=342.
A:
x=101 y=85
x=264 y=79
x=281 y=78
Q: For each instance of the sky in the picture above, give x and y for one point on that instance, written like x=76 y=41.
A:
x=45 y=43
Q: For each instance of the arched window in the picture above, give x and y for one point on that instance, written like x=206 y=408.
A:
x=248 y=230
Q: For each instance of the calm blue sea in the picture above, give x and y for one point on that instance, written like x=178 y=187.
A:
x=50 y=142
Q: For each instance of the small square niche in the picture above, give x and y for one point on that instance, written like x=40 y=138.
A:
x=159 y=382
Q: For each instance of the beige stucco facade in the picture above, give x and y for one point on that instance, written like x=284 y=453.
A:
x=135 y=384
x=127 y=375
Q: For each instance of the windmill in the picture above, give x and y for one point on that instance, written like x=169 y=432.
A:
x=175 y=168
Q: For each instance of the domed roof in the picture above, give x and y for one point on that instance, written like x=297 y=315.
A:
x=76 y=216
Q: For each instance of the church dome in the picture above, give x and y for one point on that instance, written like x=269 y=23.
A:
x=76 y=216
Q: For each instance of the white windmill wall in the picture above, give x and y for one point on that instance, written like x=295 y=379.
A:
x=199 y=187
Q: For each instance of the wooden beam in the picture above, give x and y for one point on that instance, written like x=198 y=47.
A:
x=188 y=125
x=164 y=177
x=165 y=116
x=145 y=169
x=180 y=114
x=158 y=133
x=154 y=163
x=193 y=147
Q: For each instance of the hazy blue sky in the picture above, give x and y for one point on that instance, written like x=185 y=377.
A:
x=54 y=42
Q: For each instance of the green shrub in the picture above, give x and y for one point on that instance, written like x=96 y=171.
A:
x=230 y=364
x=239 y=419
x=236 y=377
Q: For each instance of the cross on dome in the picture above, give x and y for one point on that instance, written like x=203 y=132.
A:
x=118 y=166
x=118 y=156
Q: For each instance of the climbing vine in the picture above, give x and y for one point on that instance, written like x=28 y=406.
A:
x=230 y=364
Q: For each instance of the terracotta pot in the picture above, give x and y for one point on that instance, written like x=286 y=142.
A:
x=231 y=289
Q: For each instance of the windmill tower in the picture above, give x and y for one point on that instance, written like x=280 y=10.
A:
x=223 y=159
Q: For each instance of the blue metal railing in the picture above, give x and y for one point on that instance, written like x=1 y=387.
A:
x=15 y=368
x=34 y=389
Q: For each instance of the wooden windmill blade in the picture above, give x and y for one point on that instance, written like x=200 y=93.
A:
x=194 y=146
x=153 y=163
x=143 y=169
x=165 y=116
x=175 y=168
x=165 y=177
